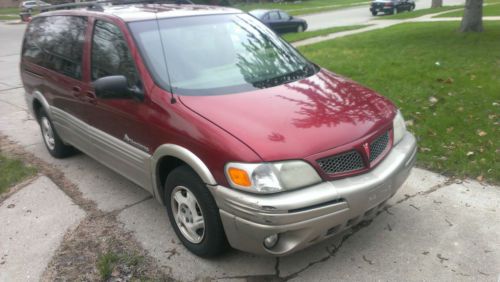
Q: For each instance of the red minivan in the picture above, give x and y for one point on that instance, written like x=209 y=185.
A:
x=244 y=141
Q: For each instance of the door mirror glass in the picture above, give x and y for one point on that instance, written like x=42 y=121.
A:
x=112 y=87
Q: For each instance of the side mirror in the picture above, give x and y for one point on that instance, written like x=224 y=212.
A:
x=290 y=18
x=116 y=87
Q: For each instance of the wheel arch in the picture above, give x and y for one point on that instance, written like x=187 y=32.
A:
x=167 y=157
x=39 y=102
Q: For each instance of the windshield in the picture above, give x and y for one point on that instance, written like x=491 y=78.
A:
x=217 y=54
x=258 y=13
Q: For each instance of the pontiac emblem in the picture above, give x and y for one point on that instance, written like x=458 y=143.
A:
x=366 y=147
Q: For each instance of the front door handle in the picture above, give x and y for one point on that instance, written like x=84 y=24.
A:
x=91 y=98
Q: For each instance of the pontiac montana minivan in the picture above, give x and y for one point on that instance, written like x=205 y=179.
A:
x=246 y=142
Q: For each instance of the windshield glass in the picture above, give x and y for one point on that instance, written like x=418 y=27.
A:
x=217 y=54
x=258 y=13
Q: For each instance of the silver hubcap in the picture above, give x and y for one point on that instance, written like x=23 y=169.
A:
x=187 y=214
x=48 y=133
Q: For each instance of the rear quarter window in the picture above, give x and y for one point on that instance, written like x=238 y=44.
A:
x=56 y=43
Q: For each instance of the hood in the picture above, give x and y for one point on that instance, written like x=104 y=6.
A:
x=298 y=119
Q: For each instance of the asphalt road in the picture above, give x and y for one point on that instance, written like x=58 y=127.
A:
x=357 y=15
x=434 y=228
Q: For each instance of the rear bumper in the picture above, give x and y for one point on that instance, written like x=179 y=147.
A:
x=306 y=216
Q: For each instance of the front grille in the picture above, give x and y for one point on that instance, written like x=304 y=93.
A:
x=378 y=146
x=344 y=162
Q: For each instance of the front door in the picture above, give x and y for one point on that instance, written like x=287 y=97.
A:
x=121 y=140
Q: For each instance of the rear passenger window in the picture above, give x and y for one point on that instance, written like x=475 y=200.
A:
x=110 y=54
x=274 y=16
x=56 y=43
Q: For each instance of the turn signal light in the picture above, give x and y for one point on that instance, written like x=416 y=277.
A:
x=239 y=177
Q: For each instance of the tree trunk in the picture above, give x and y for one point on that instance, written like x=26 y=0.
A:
x=437 y=3
x=473 y=16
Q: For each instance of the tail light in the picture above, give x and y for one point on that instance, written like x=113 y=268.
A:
x=388 y=4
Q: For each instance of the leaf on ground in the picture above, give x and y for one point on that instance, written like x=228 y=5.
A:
x=425 y=149
x=480 y=178
x=449 y=129
x=409 y=122
x=481 y=133
x=448 y=80
x=470 y=153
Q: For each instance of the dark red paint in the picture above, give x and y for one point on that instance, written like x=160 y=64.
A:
x=308 y=119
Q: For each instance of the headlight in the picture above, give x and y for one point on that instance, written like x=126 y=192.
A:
x=399 y=127
x=266 y=178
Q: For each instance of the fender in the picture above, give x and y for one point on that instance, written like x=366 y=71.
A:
x=184 y=155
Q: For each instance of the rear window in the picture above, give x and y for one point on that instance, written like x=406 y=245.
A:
x=56 y=43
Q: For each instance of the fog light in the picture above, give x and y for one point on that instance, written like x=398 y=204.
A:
x=271 y=241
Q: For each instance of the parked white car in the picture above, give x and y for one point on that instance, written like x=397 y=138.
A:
x=31 y=5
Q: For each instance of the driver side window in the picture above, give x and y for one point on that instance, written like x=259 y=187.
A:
x=111 y=55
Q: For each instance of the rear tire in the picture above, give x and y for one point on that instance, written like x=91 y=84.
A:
x=374 y=13
x=193 y=213
x=51 y=139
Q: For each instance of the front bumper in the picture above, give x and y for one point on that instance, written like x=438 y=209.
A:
x=306 y=216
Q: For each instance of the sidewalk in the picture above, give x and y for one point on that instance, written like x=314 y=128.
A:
x=381 y=23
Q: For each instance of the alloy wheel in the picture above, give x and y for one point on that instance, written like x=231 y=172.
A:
x=187 y=214
x=48 y=133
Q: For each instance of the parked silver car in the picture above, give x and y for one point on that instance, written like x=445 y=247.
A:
x=32 y=5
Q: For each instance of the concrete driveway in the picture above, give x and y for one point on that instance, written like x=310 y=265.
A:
x=435 y=228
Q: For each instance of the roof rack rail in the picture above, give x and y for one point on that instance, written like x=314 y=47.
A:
x=98 y=5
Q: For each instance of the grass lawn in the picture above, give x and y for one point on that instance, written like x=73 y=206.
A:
x=9 y=11
x=488 y=11
x=12 y=172
x=417 y=13
x=108 y=262
x=447 y=85
x=292 y=37
x=304 y=7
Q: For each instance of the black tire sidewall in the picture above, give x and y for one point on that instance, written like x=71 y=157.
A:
x=60 y=149
x=214 y=242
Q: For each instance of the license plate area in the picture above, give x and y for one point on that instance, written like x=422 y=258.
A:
x=379 y=194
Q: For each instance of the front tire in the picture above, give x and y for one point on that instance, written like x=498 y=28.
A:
x=51 y=139
x=374 y=13
x=300 y=28
x=193 y=213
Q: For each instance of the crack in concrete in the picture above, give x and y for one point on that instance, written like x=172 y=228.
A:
x=332 y=253
x=99 y=232
x=117 y=211
x=12 y=88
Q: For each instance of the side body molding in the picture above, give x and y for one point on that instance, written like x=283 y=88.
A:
x=183 y=154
